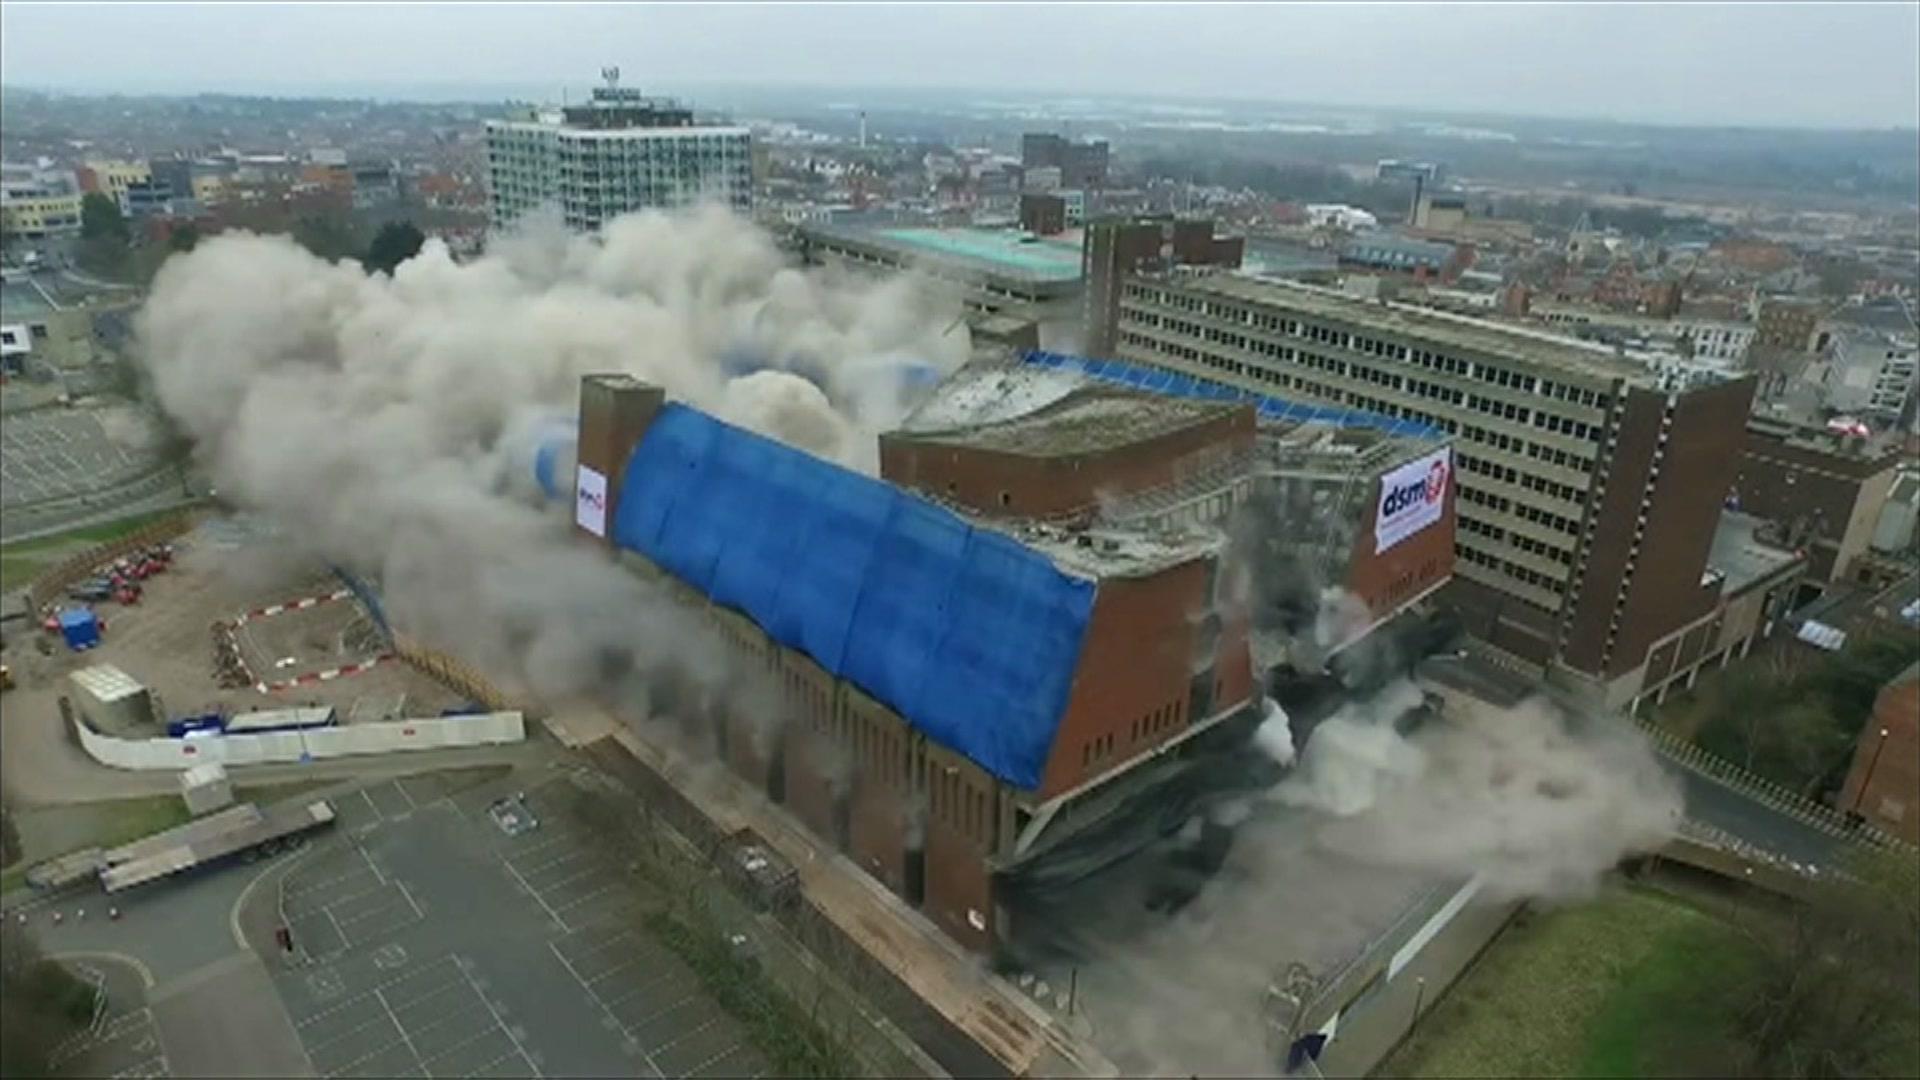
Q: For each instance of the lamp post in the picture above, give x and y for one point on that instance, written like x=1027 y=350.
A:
x=1861 y=791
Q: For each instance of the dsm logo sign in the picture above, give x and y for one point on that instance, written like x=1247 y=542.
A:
x=1412 y=497
x=590 y=501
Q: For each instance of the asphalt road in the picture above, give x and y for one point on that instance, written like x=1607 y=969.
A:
x=227 y=1020
x=1755 y=822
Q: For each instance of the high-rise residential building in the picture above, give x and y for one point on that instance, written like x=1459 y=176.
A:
x=1589 y=493
x=618 y=152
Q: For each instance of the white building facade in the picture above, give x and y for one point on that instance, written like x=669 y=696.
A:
x=593 y=164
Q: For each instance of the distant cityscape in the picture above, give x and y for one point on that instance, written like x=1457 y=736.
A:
x=1267 y=432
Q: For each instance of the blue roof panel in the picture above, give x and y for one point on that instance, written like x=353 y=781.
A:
x=970 y=636
x=1159 y=380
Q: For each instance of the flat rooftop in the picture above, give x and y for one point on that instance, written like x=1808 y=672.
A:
x=1526 y=349
x=1006 y=252
x=1087 y=420
x=1739 y=553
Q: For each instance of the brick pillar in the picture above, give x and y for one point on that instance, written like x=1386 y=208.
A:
x=615 y=411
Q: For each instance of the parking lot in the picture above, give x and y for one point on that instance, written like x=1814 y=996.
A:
x=431 y=942
x=657 y=1003
x=397 y=1015
x=123 y=1040
x=54 y=453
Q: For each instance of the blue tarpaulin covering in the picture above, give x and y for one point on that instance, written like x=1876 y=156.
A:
x=966 y=633
x=1154 y=380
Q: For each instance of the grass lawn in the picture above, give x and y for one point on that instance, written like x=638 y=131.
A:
x=1626 y=985
x=20 y=563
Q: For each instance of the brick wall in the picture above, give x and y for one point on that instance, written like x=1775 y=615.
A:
x=1134 y=687
x=997 y=484
x=1889 y=770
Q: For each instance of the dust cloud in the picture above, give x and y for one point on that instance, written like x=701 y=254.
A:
x=388 y=424
x=1538 y=800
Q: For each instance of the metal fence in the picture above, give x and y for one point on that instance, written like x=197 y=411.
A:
x=1791 y=803
x=53 y=584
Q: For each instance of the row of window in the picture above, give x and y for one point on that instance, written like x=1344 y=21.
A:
x=1165 y=718
x=1425 y=358
x=1517 y=541
x=1547 y=518
x=1523 y=574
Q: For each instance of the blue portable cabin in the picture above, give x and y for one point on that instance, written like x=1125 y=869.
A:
x=80 y=627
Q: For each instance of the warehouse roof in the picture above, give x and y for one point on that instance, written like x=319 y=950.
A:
x=1740 y=554
x=971 y=636
x=1007 y=253
x=1086 y=420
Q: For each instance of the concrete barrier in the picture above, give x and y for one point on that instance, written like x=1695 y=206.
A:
x=270 y=747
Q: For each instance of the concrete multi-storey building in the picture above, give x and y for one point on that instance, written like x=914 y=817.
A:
x=1081 y=164
x=1588 y=493
x=617 y=153
x=37 y=201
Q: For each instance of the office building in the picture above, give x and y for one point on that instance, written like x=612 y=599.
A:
x=1823 y=490
x=1082 y=164
x=1114 y=248
x=1588 y=492
x=620 y=152
x=37 y=203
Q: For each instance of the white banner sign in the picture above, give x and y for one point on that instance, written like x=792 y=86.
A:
x=1412 y=497
x=590 y=501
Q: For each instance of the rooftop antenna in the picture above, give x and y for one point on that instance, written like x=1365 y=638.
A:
x=612 y=75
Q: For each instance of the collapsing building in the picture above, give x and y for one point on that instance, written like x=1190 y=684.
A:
x=993 y=661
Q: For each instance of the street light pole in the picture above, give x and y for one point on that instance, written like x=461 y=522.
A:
x=1861 y=791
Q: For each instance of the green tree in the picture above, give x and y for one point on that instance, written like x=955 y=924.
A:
x=328 y=236
x=395 y=243
x=184 y=237
x=41 y=1004
x=100 y=218
x=1833 y=992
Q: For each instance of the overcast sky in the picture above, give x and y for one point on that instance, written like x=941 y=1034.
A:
x=1819 y=65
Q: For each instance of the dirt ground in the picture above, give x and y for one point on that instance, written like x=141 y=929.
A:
x=327 y=636
x=166 y=642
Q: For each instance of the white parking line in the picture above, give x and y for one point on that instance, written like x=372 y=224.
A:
x=511 y=1037
x=331 y=1009
x=537 y=898
x=596 y=865
x=624 y=1030
x=577 y=901
x=349 y=1033
x=304 y=889
x=404 y=1037
x=364 y=916
x=475 y=1037
x=574 y=854
x=383 y=1048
